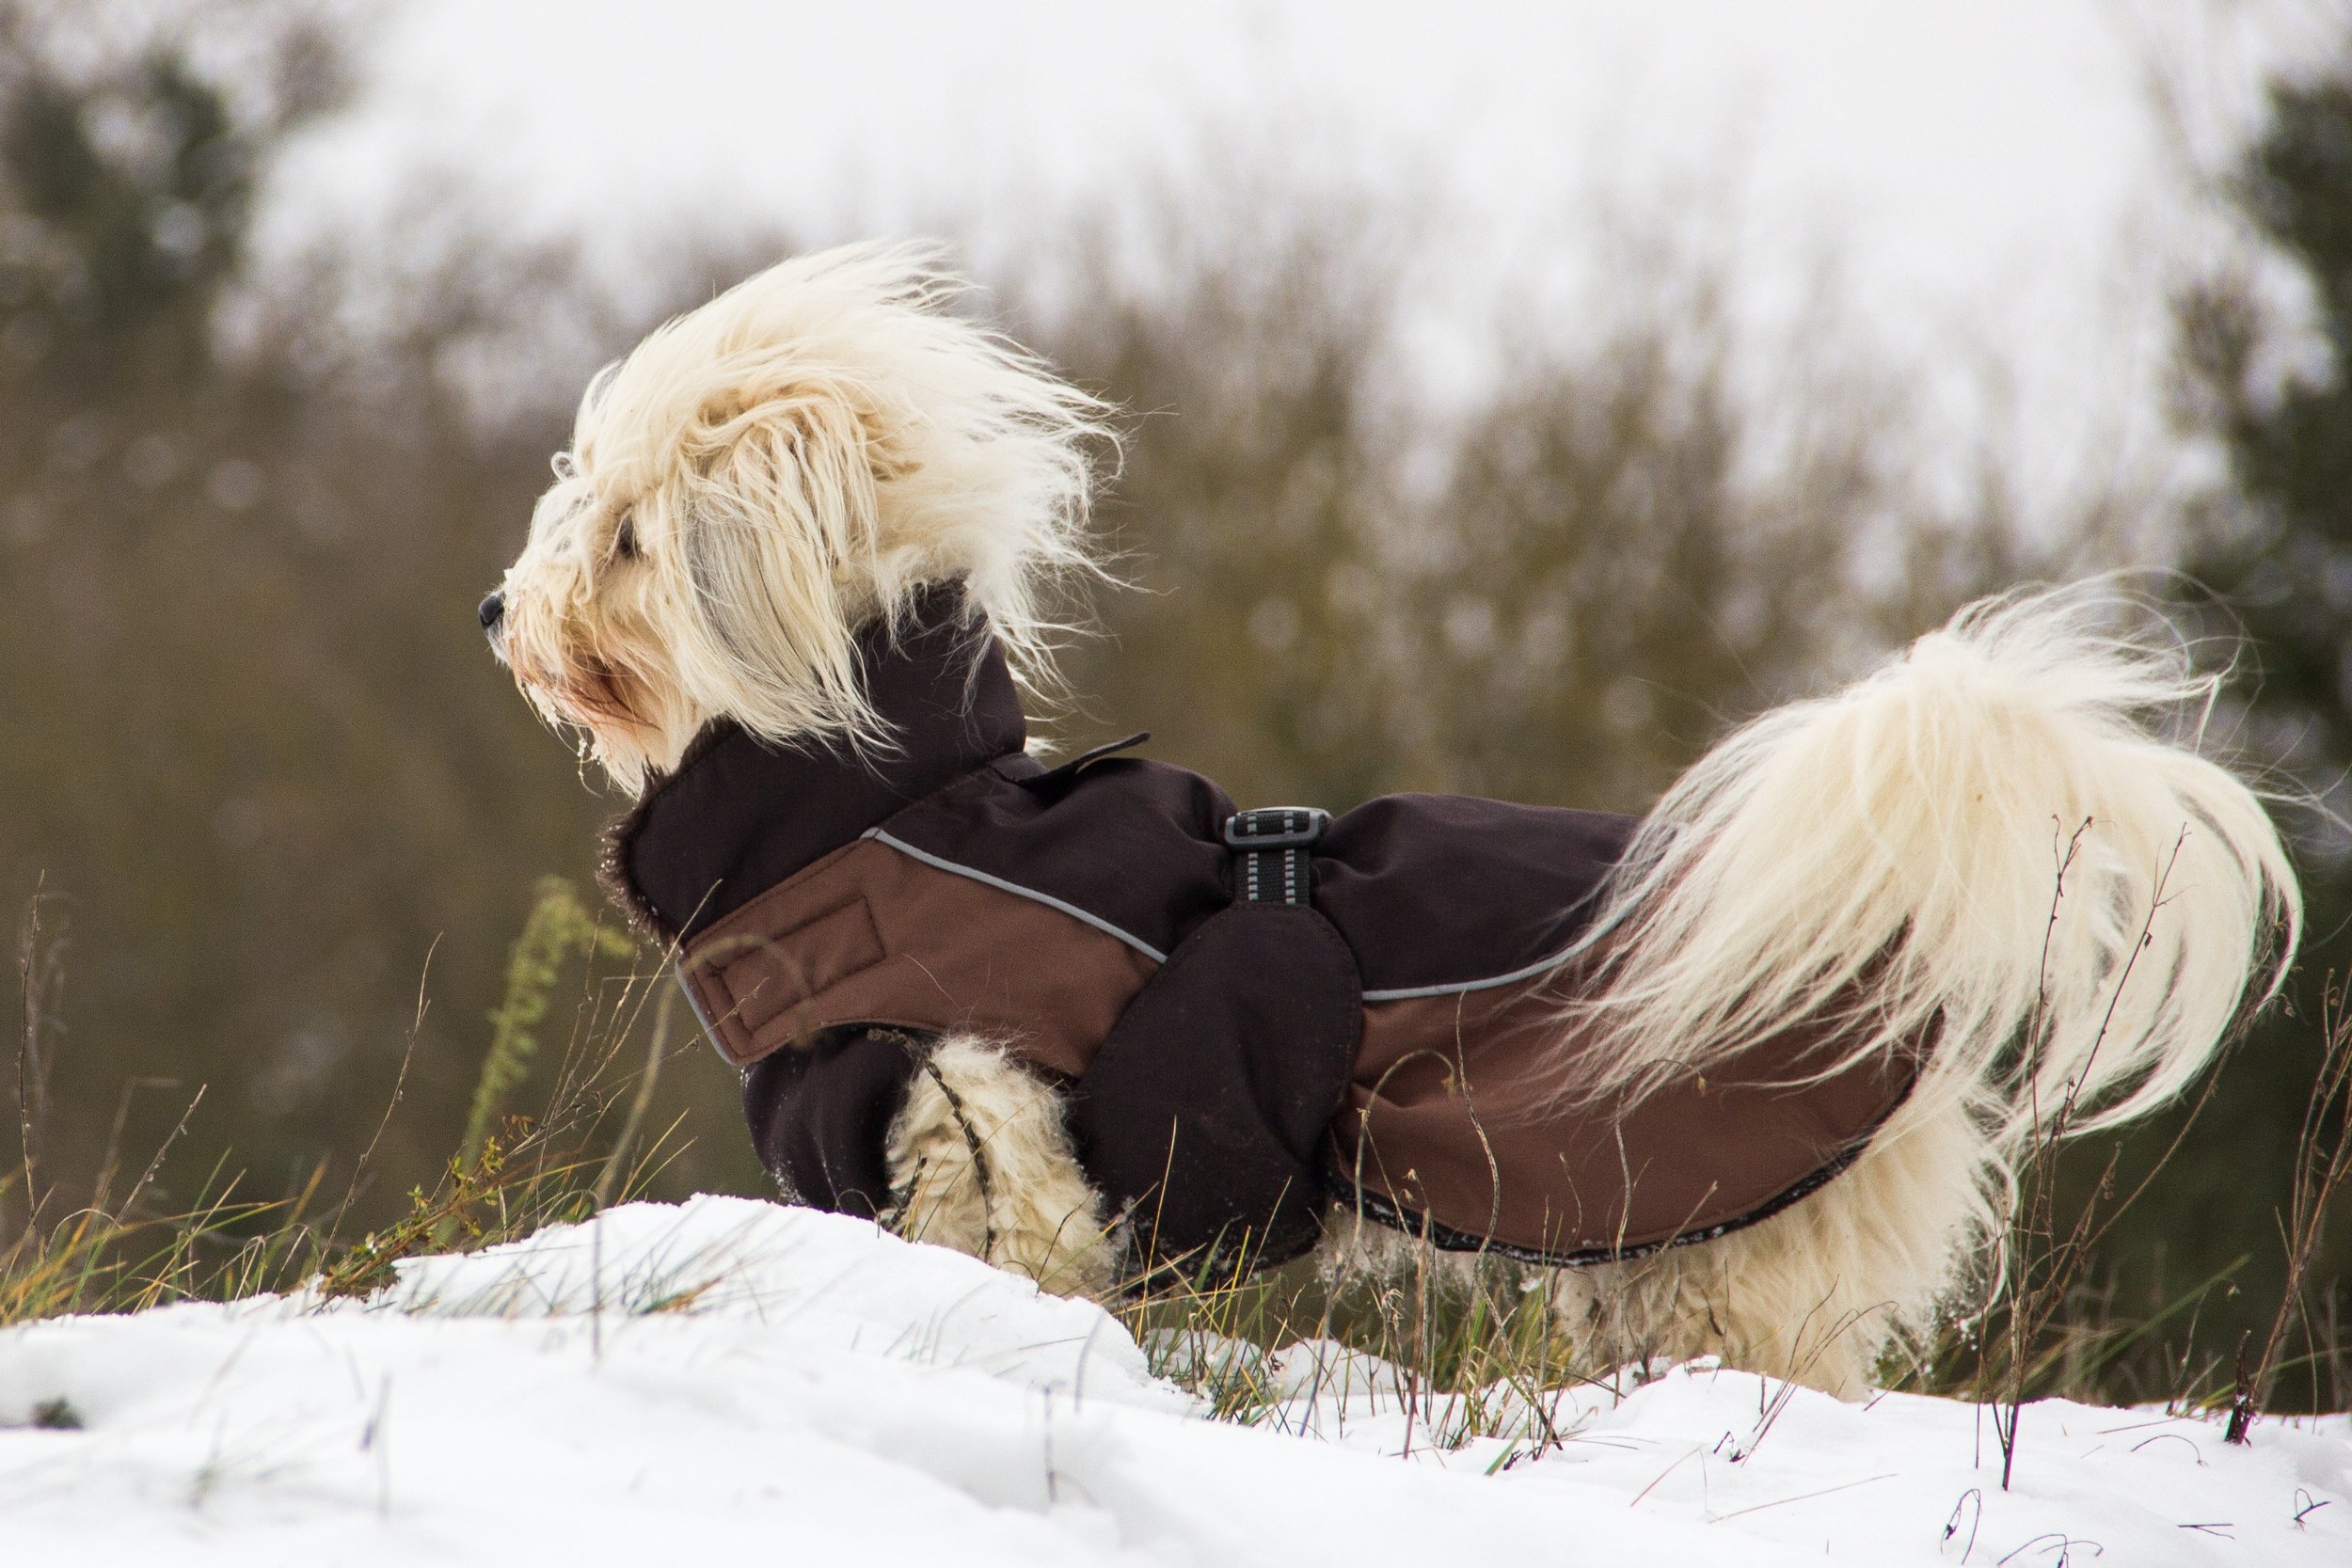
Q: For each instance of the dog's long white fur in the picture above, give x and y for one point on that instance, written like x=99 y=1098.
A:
x=981 y=1162
x=1992 y=842
x=1815 y=1294
x=794 y=461
x=2003 y=843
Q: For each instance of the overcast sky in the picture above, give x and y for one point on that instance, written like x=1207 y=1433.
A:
x=1995 y=167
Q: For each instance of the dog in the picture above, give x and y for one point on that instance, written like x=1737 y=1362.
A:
x=1749 y=1076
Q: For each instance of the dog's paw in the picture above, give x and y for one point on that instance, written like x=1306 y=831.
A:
x=980 y=1161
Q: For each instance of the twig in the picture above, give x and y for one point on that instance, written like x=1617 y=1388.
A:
x=1951 y=1526
x=400 y=1082
x=39 y=972
x=1662 y=1475
x=2321 y=1170
x=609 y=1178
x=2064 y=1259
x=1804 y=1496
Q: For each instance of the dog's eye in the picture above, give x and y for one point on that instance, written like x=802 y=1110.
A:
x=625 y=538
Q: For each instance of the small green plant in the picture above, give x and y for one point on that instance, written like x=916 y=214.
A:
x=558 y=928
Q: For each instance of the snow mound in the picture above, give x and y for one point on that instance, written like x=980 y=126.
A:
x=812 y=1279
x=726 y=1373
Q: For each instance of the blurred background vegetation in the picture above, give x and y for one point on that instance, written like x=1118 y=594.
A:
x=260 y=774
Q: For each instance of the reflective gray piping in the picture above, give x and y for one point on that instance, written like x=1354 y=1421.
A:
x=1405 y=993
x=710 y=1036
x=1047 y=899
x=1400 y=994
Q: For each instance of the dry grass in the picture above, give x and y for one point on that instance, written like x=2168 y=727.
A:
x=114 y=1248
x=1464 y=1351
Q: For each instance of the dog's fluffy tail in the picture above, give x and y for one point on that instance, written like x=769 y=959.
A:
x=2003 y=843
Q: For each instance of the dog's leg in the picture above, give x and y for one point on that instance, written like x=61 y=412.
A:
x=981 y=1162
x=1818 y=1293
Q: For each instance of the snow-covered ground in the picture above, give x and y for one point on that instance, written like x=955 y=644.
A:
x=730 y=1374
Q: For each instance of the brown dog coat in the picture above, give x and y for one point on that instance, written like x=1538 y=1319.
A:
x=1378 y=1020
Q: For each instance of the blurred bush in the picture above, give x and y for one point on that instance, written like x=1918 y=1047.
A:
x=2270 y=558
x=1558 y=587
x=257 y=752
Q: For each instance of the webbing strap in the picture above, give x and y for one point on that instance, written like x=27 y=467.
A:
x=1273 y=853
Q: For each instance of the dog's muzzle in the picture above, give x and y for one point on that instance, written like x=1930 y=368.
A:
x=492 y=609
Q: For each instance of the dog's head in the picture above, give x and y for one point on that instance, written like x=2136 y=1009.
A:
x=763 y=479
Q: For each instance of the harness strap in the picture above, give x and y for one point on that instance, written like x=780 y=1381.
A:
x=1273 y=853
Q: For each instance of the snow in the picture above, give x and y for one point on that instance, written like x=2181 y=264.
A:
x=727 y=1374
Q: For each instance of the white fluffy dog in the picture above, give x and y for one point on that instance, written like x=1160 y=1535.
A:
x=1999 y=858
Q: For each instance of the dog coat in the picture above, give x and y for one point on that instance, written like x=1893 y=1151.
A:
x=1252 y=1015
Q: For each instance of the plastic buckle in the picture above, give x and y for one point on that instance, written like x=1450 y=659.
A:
x=1271 y=862
x=1275 y=828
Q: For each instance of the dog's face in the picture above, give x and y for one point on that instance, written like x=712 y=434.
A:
x=595 y=614
x=760 y=481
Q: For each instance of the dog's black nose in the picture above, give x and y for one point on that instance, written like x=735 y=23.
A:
x=492 y=608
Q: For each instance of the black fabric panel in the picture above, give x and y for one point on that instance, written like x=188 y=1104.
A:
x=1131 y=842
x=1205 y=1115
x=740 y=816
x=821 y=1117
x=1427 y=889
x=1438 y=889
